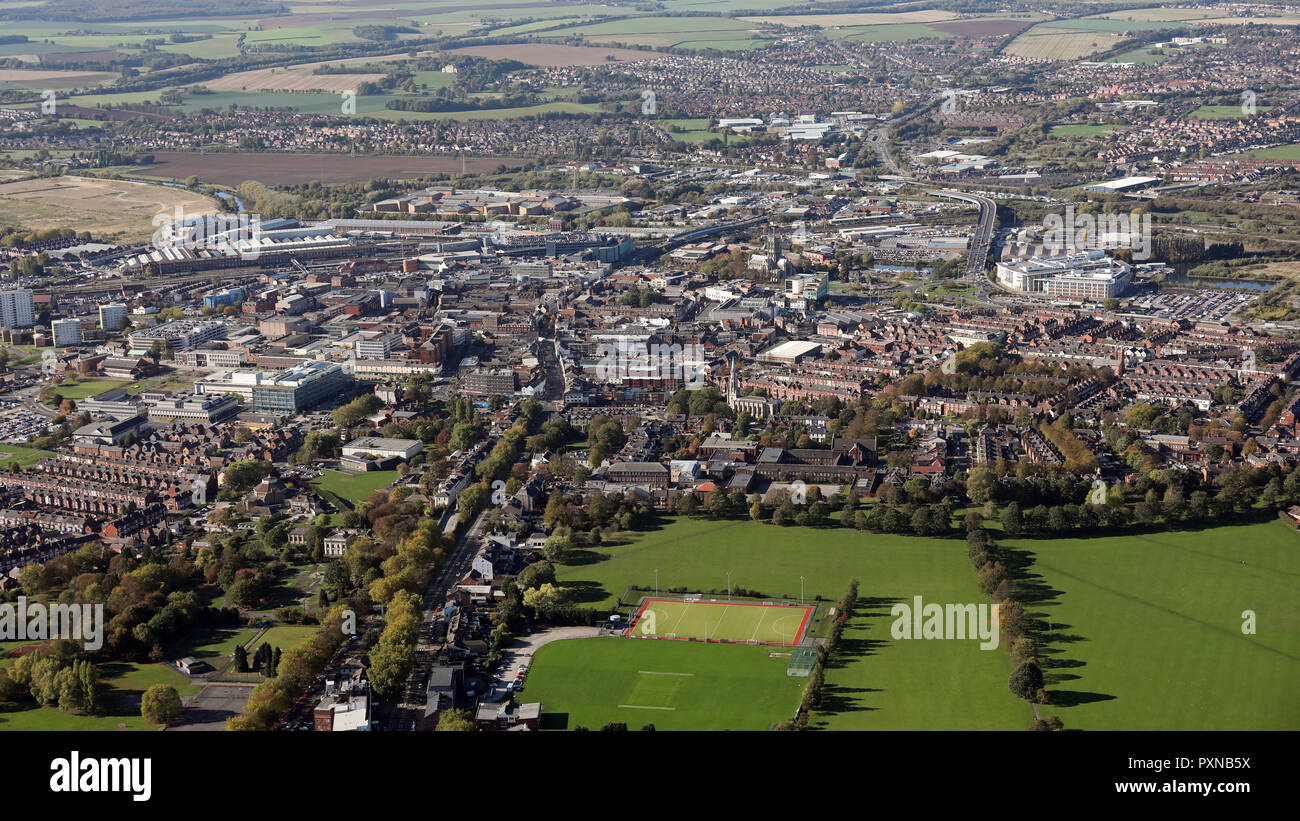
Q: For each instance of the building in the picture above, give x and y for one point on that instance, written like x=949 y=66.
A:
x=379 y=446
x=178 y=335
x=376 y=347
x=301 y=387
x=16 y=308
x=1086 y=275
x=112 y=316
x=507 y=715
x=336 y=544
x=66 y=332
x=486 y=382
x=194 y=407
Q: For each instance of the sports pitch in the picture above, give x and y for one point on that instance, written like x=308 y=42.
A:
x=721 y=621
x=674 y=685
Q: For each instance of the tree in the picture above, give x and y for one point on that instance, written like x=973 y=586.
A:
x=1027 y=680
x=161 y=704
x=455 y=721
x=1011 y=520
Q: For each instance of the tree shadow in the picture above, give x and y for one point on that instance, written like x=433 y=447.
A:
x=1053 y=638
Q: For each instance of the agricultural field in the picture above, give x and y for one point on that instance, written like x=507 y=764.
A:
x=106 y=208
x=41 y=79
x=546 y=54
x=674 y=685
x=1045 y=44
x=290 y=79
x=851 y=19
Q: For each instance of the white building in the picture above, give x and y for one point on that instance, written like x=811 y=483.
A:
x=66 y=332
x=1086 y=275
x=111 y=316
x=16 y=308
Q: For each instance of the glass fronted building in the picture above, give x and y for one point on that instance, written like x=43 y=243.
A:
x=301 y=387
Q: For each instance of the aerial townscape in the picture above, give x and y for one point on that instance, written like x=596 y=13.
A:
x=414 y=365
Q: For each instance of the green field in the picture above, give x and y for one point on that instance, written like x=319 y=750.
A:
x=1281 y=152
x=1140 y=631
x=1224 y=112
x=674 y=685
x=720 y=621
x=90 y=387
x=1144 y=630
x=355 y=487
x=1083 y=130
x=25 y=457
x=879 y=683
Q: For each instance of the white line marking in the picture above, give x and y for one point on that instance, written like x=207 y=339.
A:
x=761 y=619
x=679 y=620
x=658 y=673
x=645 y=707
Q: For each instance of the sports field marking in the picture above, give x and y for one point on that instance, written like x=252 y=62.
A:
x=660 y=673
x=717 y=626
x=761 y=619
x=685 y=610
x=645 y=707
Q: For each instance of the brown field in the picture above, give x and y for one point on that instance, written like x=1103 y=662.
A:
x=982 y=28
x=106 y=208
x=1062 y=44
x=289 y=169
x=851 y=19
x=544 y=54
x=35 y=79
x=271 y=79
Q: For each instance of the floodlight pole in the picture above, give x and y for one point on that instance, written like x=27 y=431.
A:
x=656 y=581
x=801 y=590
x=728 y=585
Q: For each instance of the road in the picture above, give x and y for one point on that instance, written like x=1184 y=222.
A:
x=407 y=714
x=982 y=239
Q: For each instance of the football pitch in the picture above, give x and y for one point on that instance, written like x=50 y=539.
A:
x=724 y=621
x=674 y=685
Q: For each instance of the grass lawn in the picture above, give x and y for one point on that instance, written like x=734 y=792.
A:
x=355 y=487
x=1145 y=629
x=674 y=685
x=80 y=390
x=1224 y=112
x=1083 y=130
x=124 y=685
x=284 y=636
x=26 y=457
x=879 y=683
